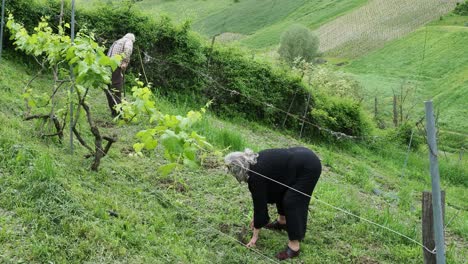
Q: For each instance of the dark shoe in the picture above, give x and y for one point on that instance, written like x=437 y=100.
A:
x=287 y=254
x=275 y=225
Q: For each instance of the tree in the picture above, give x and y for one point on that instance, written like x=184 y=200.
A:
x=298 y=41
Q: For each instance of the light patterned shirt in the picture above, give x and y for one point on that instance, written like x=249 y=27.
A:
x=123 y=47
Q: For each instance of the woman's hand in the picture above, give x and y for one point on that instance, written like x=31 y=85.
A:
x=254 y=238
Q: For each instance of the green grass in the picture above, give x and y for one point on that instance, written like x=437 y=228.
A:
x=439 y=71
x=312 y=14
x=53 y=209
x=258 y=24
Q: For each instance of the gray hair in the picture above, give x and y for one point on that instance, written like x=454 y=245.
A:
x=130 y=36
x=239 y=162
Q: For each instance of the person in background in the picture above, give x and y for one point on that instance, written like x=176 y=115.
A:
x=123 y=47
x=265 y=173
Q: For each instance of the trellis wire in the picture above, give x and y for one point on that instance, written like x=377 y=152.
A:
x=407 y=154
x=451 y=219
x=334 y=207
x=342 y=210
x=338 y=135
x=210 y=227
x=243 y=244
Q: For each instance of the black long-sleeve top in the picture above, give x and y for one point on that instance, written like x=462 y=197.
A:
x=280 y=165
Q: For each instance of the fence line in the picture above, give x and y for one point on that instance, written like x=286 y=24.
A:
x=322 y=202
x=210 y=227
x=342 y=210
x=336 y=134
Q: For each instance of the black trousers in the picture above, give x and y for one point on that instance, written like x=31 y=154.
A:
x=295 y=206
x=114 y=92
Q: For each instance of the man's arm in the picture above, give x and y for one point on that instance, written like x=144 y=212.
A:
x=258 y=190
x=127 y=53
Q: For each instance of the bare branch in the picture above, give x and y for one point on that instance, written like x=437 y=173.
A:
x=99 y=152
x=82 y=141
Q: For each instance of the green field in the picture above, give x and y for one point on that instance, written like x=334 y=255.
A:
x=259 y=23
x=373 y=25
x=262 y=22
x=347 y=28
x=434 y=59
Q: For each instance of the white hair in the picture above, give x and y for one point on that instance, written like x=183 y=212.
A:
x=239 y=163
x=130 y=36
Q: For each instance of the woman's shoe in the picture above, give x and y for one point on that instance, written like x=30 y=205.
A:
x=275 y=225
x=287 y=254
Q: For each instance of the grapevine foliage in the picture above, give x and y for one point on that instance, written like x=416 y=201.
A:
x=91 y=69
x=182 y=145
x=90 y=65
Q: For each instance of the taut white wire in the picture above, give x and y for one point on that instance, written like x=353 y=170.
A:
x=344 y=211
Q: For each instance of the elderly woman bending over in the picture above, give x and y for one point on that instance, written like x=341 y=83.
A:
x=266 y=174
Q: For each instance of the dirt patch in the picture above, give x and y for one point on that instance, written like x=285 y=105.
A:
x=242 y=234
x=127 y=150
x=227 y=37
x=366 y=260
x=225 y=228
x=171 y=184
x=212 y=162
x=104 y=123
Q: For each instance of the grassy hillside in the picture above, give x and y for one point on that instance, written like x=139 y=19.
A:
x=346 y=28
x=53 y=209
x=376 y=23
x=256 y=24
x=262 y=22
x=433 y=59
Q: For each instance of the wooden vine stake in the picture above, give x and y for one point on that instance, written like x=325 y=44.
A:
x=428 y=225
x=437 y=202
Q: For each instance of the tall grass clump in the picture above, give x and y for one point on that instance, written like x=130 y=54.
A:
x=221 y=137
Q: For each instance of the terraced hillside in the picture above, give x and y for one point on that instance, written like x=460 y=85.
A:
x=255 y=23
x=347 y=28
x=374 y=24
x=262 y=22
x=434 y=59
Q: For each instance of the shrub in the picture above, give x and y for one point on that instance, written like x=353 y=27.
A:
x=340 y=115
x=336 y=83
x=461 y=9
x=298 y=41
x=232 y=70
x=402 y=135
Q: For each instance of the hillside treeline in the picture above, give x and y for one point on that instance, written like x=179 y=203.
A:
x=179 y=62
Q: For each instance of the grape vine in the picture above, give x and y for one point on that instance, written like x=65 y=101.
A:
x=182 y=145
x=90 y=67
